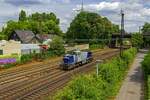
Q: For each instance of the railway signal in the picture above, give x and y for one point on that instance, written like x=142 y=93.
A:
x=98 y=62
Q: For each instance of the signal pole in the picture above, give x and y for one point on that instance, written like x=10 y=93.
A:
x=122 y=33
x=82 y=8
x=98 y=62
x=139 y=29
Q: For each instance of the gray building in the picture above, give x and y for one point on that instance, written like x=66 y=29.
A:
x=26 y=37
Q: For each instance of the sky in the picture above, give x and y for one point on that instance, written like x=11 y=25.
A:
x=137 y=12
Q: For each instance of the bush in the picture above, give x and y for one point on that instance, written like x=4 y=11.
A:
x=114 y=70
x=26 y=58
x=137 y=40
x=96 y=46
x=107 y=84
x=84 y=87
x=128 y=55
x=145 y=64
x=146 y=68
x=36 y=56
x=9 y=65
x=148 y=91
x=44 y=55
x=57 y=46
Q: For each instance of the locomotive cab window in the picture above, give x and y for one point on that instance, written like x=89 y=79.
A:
x=77 y=52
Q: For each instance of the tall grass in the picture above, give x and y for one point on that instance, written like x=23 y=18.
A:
x=146 y=69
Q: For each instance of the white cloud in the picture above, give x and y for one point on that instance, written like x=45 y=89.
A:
x=7 y=10
x=101 y=6
x=145 y=12
x=66 y=1
x=135 y=12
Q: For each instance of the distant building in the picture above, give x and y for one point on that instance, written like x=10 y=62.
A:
x=15 y=47
x=10 y=47
x=26 y=37
x=30 y=48
x=45 y=38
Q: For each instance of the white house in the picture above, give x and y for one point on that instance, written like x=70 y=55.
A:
x=10 y=47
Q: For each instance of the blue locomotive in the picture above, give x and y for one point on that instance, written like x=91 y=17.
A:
x=75 y=59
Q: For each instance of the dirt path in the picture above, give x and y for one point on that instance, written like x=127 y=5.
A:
x=132 y=88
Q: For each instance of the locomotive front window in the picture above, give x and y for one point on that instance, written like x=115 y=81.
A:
x=77 y=53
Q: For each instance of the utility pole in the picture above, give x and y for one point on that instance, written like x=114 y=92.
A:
x=122 y=33
x=139 y=29
x=82 y=6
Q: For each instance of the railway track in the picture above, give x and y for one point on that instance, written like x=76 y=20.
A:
x=32 y=87
x=30 y=73
x=8 y=77
x=31 y=67
x=60 y=82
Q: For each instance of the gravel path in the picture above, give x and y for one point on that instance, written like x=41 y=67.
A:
x=132 y=88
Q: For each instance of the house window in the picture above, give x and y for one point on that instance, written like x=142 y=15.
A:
x=1 y=52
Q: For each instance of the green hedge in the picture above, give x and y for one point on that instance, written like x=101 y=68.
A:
x=146 y=64
x=37 y=56
x=148 y=91
x=146 y=68
x=106 y=85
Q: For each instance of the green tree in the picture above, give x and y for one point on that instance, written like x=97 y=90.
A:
x=22 y=16
x=39 y=23
x=45 y=23
x=146 y=28
x=57 y=45
x=88 y=25
x=146 y=31
x=2 y=36
x=137 y=40
x=11 y=26
x=52 y=28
